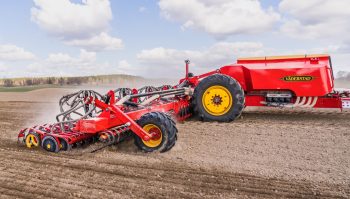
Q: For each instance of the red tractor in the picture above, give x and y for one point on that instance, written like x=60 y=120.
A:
x=220 y=95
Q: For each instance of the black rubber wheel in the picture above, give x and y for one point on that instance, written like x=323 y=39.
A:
x=160 y=123
x=50 y=144
x=229 y=86
x=64 y=145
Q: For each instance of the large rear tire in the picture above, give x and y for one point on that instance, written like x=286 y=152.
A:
x=218 y=98
x=164 y=129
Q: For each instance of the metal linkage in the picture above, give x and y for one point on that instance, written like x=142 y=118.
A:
x=148 y=97
x=76 y=106
x=162 y=92
x=145 y=90
x=164 y=87
x=122 y=92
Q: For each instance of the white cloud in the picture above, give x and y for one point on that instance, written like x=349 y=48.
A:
x=220 y=17
x=61 y=58
x=324 y=21
x=13 y=53
x=123 y=64
x=84 y=24
x=339 y=54
x=61 y=64
x=124 y=67
x=98 y=43
x=341 y=62
x=66 y=19
x=314 y=19
x=165 y=62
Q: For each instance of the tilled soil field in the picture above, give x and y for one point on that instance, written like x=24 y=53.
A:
x=268 y=153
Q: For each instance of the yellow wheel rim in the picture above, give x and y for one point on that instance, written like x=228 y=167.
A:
x=157 y=139
x=217 y=100
x=31 y=140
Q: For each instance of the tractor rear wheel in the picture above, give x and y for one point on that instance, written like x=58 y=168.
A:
x=218 y=98
x=163 y=129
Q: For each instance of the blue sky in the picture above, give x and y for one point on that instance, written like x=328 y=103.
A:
x=151 y=38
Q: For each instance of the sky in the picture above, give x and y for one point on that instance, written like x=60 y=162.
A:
x=152 y=38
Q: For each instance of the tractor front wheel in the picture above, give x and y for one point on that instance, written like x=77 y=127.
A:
x=218 y=98
x=163 y=129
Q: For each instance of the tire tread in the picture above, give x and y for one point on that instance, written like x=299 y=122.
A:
x=222 y=80
x=168 y=127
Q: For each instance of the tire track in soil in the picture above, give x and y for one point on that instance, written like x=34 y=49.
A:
x=207 y=182
x=13 y=192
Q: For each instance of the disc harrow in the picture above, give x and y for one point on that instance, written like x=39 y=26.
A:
x=87 y=116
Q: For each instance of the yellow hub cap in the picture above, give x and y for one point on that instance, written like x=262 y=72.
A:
x=217 y=100
x=157 y=135
x=31 y=140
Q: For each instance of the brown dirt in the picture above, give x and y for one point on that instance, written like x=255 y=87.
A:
x=269 y=153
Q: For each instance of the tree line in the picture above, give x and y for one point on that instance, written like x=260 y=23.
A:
x=117 y=79
x=44 y=81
